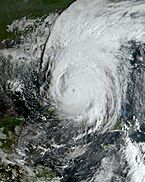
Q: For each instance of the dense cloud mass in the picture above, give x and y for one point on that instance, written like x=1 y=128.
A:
x=78 y=80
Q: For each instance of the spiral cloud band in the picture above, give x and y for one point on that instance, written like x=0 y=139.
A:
x=82 y=52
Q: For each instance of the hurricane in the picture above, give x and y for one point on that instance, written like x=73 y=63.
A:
x=83 y=65
x=78 y=80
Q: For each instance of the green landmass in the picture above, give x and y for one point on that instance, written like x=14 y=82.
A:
x=16 y=9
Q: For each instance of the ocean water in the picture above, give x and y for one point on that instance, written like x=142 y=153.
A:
x=78 y=80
